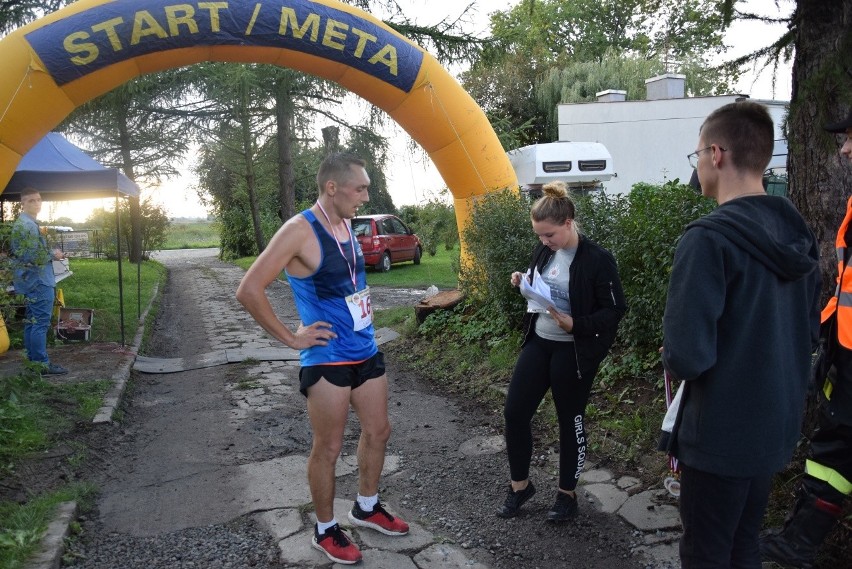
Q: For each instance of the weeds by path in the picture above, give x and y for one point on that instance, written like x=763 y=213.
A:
x=36 y=415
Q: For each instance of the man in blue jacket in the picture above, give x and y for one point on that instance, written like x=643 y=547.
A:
x=33 y=278
x=741 y=319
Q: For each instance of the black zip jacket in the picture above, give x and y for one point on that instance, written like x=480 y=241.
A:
x=597 y=302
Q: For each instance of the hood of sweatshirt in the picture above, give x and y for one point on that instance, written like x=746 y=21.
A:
x=769 y=229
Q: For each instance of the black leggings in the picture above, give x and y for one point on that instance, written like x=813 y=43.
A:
x=542 y=365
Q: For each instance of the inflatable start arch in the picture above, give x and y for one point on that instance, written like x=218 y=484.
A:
x=55 y=64
x=90 y=47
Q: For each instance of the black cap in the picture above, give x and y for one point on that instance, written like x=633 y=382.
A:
x=840 y=127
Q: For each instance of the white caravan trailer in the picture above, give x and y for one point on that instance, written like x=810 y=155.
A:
x=581 y=165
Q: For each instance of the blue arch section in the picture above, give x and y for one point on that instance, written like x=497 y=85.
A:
x=85 y=42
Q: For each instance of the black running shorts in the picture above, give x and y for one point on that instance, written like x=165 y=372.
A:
x=344 y=375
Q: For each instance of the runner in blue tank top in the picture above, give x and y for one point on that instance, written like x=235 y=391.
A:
x=323 y=295
x=341 y=365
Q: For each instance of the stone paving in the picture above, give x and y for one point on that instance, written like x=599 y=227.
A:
x=228 y=327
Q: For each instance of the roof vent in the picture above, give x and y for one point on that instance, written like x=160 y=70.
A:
x=667 y=86
x=611 y=96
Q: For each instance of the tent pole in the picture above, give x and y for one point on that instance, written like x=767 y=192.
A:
x=139 y=291
x=120 y=276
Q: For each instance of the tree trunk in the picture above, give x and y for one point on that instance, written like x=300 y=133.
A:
x=820 y=180
x=286 y=176
x=331 y=139
x=134 y=251
x=250 y=175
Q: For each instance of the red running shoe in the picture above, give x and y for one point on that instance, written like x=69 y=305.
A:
x=336 y=545
x=379 y=519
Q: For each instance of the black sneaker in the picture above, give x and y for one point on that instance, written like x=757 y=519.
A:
x=563 y=509
x=514 y=501
x=54 y=369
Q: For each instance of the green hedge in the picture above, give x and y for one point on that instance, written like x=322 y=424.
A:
x=641 y=229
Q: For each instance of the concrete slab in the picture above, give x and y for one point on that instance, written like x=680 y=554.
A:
x=416 y=538
x=181 y=502
x=349 y=464
x=628 y=482
x=607 y=497
x=644 y=512
x=297 y=551
x=263 y=367
x=281 y=523
x=483 y=445
x=392 y=464
x=52 y=546
x=441 y=555
x=279 y=482
x=595 y=475
x=346 y=465
x=384 y=335
x=661 y=549
x=263 y=354
x=377 y=559
x=147 y=364
x=273 y=378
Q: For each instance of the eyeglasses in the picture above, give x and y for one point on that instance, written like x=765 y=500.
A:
x=693 y=158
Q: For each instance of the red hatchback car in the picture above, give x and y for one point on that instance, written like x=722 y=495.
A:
x=385 y=239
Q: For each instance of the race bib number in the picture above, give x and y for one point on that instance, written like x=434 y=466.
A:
x=360 y=308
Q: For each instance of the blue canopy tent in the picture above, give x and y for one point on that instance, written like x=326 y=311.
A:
x=62 y=172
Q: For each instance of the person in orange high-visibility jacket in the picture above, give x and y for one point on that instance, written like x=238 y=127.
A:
x=828 y=470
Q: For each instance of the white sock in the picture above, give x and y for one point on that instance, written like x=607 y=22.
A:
x=367 y=503
x=322 y=526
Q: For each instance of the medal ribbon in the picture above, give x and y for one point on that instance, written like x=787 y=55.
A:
x=354 y=264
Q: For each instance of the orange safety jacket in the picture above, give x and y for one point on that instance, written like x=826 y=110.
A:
x=841 y=302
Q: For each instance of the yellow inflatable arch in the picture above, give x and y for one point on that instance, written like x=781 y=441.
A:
x=88 y=48
x=63 y=60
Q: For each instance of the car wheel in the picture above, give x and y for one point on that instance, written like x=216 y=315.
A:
x=385 y=263
x=417 y=254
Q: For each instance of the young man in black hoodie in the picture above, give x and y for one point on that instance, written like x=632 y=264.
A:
x=741 y=319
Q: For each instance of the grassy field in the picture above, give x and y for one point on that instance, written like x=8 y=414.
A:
x=94 y=284
x=440 y=270
x=192 y=235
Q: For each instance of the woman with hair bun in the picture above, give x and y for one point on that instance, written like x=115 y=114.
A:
x=562 y=348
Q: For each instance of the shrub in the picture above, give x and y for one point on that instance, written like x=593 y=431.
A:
x=435 y=224
x=155 y=223
x=498 y=240
x=642 y=229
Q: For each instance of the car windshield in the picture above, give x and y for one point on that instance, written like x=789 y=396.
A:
x=361 y=227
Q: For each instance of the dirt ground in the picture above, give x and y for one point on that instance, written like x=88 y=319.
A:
x=452 y=495
x=50 y=469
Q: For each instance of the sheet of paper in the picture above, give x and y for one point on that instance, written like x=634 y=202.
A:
x=537 y=293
